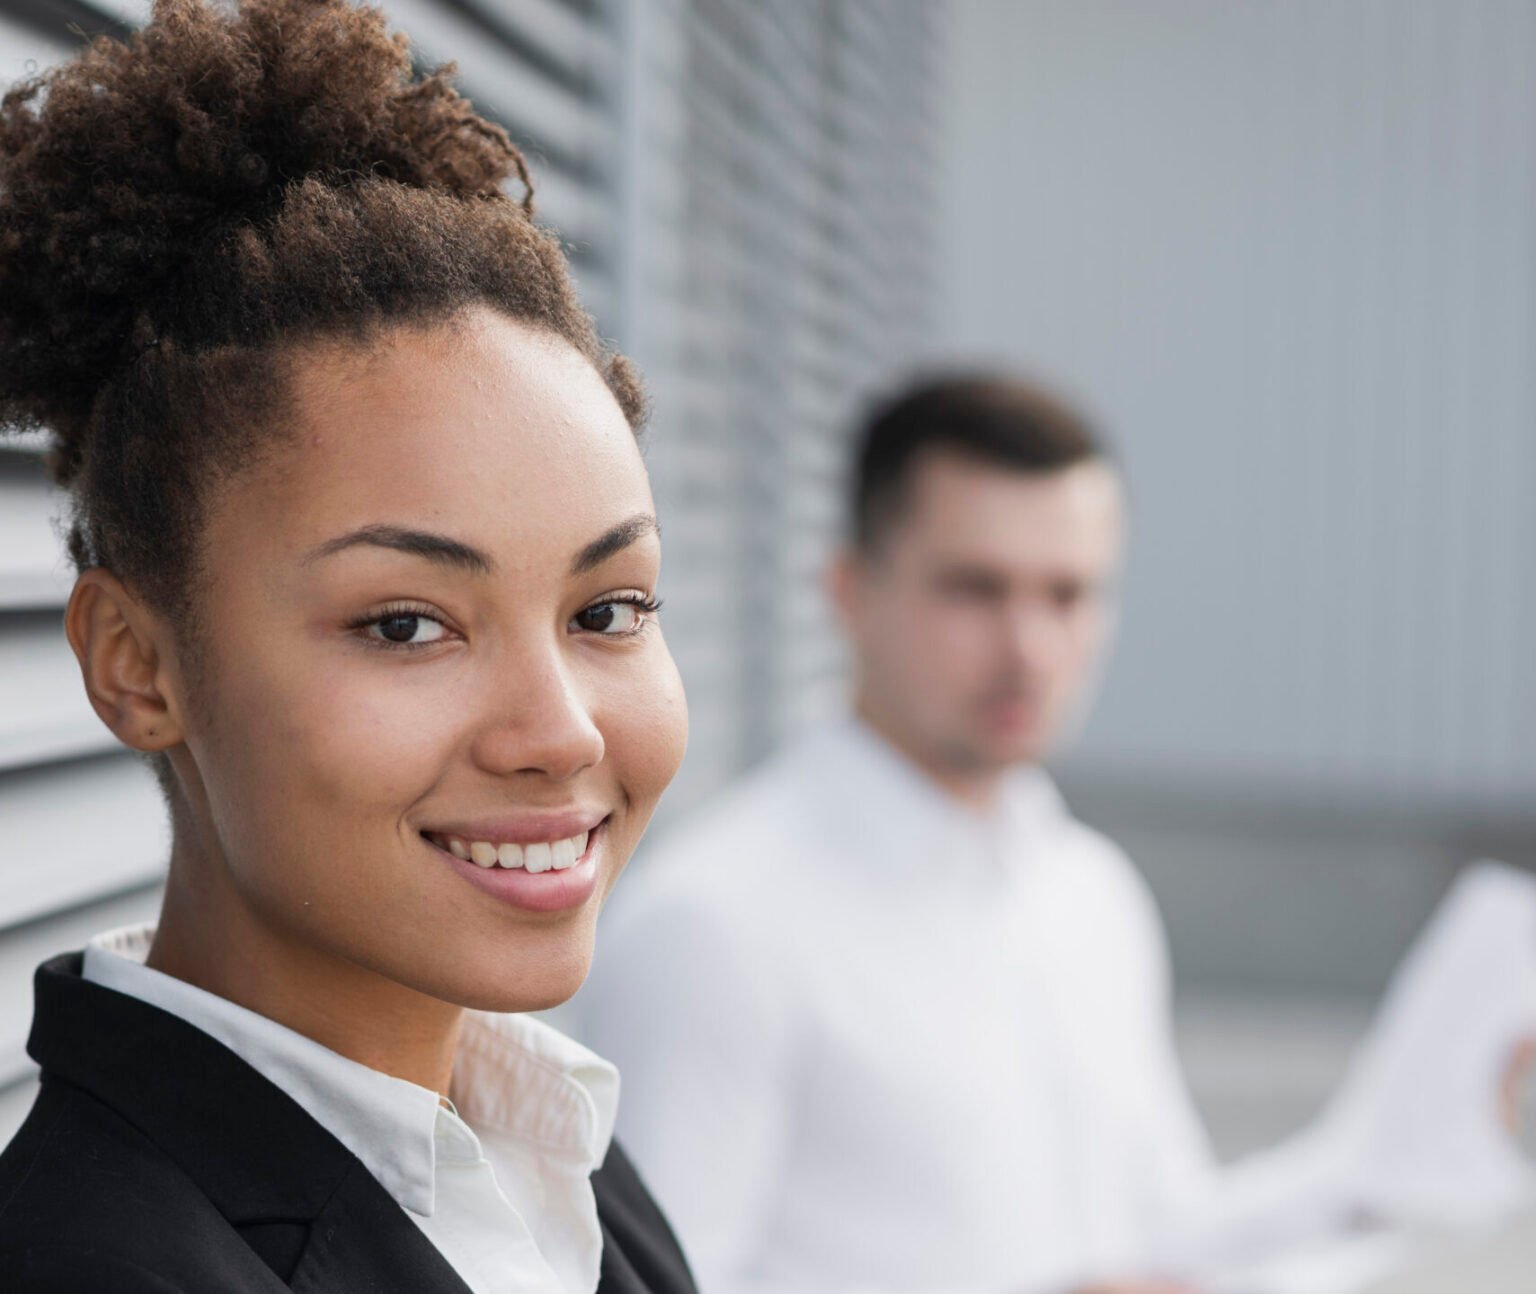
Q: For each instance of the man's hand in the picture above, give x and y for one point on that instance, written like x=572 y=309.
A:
x=1517 y=1073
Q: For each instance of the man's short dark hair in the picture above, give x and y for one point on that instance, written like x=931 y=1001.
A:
x=992 y=420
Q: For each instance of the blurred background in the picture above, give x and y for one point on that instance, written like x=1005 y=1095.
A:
x=1285 y=250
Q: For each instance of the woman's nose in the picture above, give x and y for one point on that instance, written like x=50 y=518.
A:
x=543 y=724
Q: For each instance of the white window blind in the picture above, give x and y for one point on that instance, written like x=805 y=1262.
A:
x=82 y=838
x=784 y=274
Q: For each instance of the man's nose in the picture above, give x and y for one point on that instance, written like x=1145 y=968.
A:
x=1032 y=634
x=542 y=722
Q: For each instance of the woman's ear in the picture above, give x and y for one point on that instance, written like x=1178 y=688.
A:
x=125 y=659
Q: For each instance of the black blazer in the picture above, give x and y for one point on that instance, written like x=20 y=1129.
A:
x=156 y=1161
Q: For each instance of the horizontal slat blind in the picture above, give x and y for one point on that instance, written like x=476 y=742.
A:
x=786 y=148
x=33 y=572
x=82 y=836
x=46 y=713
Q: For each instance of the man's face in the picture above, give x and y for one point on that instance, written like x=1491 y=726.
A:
x=979 y=615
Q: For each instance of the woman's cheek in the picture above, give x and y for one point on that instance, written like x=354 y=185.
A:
x=398 y=727
x=674 y=718
x=359 y=737
x=655 y=727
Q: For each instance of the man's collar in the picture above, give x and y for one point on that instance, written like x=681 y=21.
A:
x=892 y=809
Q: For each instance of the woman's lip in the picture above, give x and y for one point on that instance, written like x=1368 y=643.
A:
x=525 y=829
x=551 y=891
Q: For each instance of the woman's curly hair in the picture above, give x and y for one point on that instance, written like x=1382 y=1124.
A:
x=179 y=210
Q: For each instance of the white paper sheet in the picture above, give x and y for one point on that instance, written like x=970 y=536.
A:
x=1412 y=1150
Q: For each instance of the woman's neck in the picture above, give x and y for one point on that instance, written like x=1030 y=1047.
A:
x=210 y=938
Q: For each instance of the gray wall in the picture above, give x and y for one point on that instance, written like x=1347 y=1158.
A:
x=1287 y=252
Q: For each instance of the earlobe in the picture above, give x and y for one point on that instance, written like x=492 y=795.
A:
x=123 y=652
x=841 y=584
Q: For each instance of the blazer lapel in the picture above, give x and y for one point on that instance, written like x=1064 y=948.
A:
x=618 y=1274
x=362 y=1241
x=254 y=1151
x=268 y=1167
x=640 y=1253
x=257 y=1155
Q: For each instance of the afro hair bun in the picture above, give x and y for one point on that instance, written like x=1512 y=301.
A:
x=124 y=171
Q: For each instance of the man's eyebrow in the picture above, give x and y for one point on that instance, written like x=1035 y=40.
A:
x=613 y=541
x=419 y=543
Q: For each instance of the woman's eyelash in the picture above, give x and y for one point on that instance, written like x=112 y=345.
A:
x=650 y=605
x=400 y=612
x=645 y=606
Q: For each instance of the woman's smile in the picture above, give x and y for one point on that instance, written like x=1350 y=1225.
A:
x=550 y=890
x=546 y=863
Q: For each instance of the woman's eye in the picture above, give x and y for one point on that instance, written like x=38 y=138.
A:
x=405 y=628
x=615 y=619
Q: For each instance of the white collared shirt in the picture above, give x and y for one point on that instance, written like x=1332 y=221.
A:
x=872 y=1040
x=500 y=1184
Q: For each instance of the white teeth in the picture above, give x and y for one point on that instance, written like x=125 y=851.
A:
x=542 y=856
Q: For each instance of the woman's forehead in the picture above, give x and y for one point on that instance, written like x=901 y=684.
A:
x=491 y=430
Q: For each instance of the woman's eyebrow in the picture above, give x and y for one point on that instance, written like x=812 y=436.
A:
x=419 y=543
x=614 y=540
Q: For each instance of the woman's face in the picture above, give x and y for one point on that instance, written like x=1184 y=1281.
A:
x=426 y=635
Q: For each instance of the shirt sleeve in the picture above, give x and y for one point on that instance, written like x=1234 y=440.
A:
x=1177 y=1171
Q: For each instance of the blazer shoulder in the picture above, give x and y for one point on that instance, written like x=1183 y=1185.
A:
x=45 y=1268
x=87 y=1202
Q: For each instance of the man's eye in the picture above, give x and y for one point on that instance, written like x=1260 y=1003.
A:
x=1067 y=596
x=406 y=628
x=971 y=590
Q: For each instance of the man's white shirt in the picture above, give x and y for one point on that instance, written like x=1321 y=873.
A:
x=872 y=1040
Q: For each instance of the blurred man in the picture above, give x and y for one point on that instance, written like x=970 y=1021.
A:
x=888 y=1016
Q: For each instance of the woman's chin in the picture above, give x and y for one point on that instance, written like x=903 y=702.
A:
x=535 y=998
x=521 y=988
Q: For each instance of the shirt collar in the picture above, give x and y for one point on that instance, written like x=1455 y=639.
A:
x=898 y=811
x=514 y=1076
x=522 y=1078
